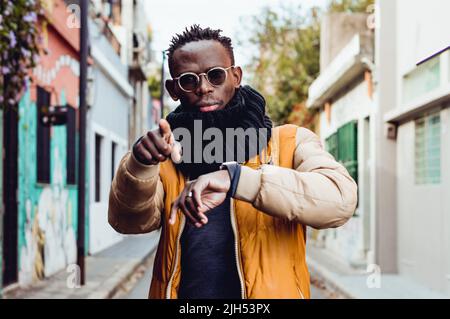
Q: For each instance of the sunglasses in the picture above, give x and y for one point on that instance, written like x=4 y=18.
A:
x=190 y=81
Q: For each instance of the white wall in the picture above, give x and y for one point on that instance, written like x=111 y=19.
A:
x=102 y=235
x=108 y=116
x=423 y=210
x=354 y=105
x=424 y=214
x=423 y=28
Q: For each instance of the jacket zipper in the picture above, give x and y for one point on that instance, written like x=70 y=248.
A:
x=177 y=253
x=236 y=246
x=301 y=294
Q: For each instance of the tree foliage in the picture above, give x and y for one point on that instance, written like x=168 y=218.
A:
x=154 y=83
x=286 y=59
x=350 y=6
x=19 y=47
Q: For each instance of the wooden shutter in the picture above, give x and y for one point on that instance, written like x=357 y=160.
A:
x=331 y=145
x=348 y=148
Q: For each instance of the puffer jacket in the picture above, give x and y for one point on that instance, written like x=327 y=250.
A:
x=293 y=184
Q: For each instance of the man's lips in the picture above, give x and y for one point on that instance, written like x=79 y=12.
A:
x=209 y=107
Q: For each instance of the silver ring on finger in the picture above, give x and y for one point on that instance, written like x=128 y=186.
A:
x=189 y=195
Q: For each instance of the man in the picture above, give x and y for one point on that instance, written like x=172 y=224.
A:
x=236 y=230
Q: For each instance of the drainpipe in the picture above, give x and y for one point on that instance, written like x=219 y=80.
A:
x=82 y=141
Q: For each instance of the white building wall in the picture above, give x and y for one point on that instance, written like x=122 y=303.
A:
x=423 y=210
x=422 y=29
x=350 y=242
x=110 y=104
x=424 y=214
x=445 y=187
x=354 y=105
x=102 y=235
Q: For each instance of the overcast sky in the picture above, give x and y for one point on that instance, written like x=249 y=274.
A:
x=168 y=17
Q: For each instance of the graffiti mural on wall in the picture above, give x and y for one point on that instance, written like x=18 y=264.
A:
x=47 y=213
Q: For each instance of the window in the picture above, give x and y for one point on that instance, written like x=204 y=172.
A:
x=343 y=145
x=71 y=145
x=427 y=157
x=348 y=148
x=424 y=79
x=43 y=138
x=448 y=63
x=98 y=168
x=113 y=159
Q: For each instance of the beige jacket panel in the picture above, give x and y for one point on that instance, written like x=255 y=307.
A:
x=136 y=197
x=319 y=193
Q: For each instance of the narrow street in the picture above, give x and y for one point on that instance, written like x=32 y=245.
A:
x=138 y=285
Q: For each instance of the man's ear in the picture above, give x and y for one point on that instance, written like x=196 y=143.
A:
x=237 y=76
x=170 y=86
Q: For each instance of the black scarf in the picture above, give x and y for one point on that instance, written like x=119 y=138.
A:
x=245 y=110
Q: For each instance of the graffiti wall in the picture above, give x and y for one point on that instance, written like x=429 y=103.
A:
x=48 y=212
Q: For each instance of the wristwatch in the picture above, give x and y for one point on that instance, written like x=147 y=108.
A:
x=234 y=170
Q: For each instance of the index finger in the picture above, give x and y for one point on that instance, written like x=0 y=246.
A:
x=164 y=128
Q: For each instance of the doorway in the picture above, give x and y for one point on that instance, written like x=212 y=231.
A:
x=10 y=186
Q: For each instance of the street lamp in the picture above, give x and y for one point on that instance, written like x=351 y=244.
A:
x=84 y=43
x=162 y=84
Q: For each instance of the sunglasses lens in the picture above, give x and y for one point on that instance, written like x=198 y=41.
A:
x=189 y=82
x=217 y=76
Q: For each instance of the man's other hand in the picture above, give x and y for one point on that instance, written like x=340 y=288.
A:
x=207 y=192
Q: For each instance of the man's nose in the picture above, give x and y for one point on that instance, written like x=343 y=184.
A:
x=204 y=86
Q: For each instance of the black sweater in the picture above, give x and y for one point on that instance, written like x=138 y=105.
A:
x=208 y=260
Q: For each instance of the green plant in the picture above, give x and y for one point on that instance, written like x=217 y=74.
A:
x=154 y=83
x=19 y=47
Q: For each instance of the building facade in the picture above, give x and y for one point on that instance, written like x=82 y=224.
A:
x=391 y=105
x=121 y=107
x=418 y=115
x=39 y=166
x=343 y=96
x=40 y=219
x=110 y=100
x=134 y=35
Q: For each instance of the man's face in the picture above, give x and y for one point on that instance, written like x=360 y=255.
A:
x=199 y=57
